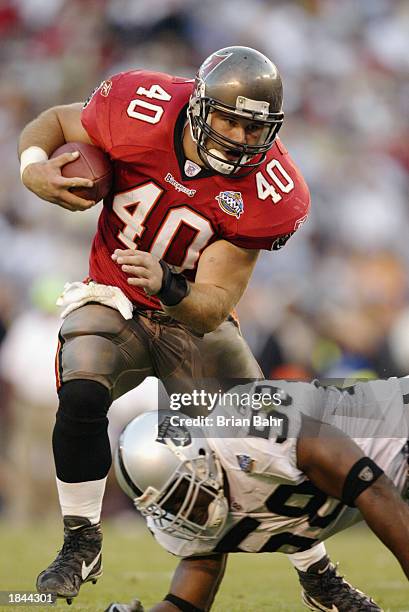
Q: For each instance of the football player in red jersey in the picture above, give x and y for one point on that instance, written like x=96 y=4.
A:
x=201 y=184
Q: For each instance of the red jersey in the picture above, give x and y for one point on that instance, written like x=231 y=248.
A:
x=167 y=205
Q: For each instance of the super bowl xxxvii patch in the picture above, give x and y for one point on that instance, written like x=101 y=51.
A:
x=231 y=202
x=245 y=463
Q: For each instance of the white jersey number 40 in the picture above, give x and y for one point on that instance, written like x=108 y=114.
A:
x=147 y=111
x=281 y=180
x=133 y=208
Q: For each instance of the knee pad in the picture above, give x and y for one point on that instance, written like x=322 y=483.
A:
x=83 y=406
x=80 y=438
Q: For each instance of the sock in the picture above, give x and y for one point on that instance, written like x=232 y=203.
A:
x=82 y=498
x=303 y=560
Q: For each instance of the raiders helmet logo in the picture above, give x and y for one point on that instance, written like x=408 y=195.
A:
x=179 y=435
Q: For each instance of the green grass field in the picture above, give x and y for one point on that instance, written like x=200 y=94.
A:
x=135 y=566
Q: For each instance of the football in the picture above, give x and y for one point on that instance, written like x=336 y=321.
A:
x=92 y=164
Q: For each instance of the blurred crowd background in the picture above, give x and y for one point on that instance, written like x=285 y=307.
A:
x=334 y=302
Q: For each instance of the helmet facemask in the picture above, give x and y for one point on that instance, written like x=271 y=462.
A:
x=172 y=508
x=201 y=107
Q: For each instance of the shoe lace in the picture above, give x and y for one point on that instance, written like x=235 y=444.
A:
x=74 y=542
x=334 y=584
x=331 y=587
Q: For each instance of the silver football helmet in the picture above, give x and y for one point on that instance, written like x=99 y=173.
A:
x=164 y=468
x=243 y=83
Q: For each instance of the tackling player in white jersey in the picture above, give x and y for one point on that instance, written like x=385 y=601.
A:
x=329 y=459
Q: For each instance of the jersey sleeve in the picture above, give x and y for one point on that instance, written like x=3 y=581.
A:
x=273 y=243
x=133 y=114
x=268 y=229
x=272 y=204
x=96 y=113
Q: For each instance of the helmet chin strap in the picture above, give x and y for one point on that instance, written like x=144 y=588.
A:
x=217 y=165
x=218 y=510
x=220 y=166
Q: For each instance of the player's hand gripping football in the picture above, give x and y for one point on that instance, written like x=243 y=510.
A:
x=143 y=268
x=46 y=181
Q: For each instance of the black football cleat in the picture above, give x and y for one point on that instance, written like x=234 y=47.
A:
x=134 y=606
x=77 y=562
x=325 y=590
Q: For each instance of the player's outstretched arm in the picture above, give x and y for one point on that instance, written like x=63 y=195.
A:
x=222 y=276
x=388 y=516
x=328 y=458
x=47 y=132
x=195 y=581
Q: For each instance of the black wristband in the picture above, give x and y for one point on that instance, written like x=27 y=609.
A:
x=174 y=286
x=182 y=604
x=361 y=476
